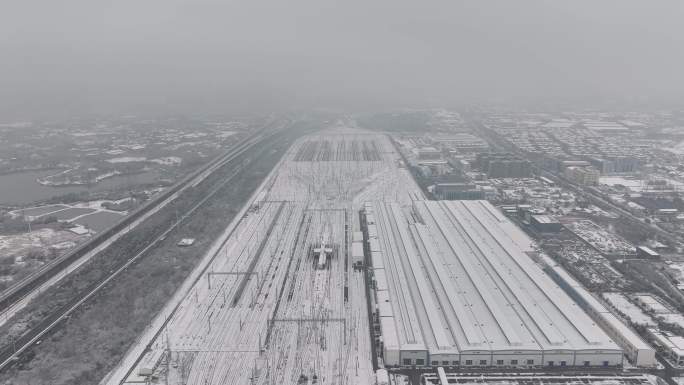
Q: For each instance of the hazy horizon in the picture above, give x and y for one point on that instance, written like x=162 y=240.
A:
x=79 y=57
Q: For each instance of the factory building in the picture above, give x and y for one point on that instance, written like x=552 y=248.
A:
x=504 y=165
x=616 y=164
x=585 y=176
x=427 y=153
x=432 y=167
x=455 y=286
x=460 y=142
x=460 y=164
x=574 y=163
x=545 y=223
x=639 y=352
x=646 y=252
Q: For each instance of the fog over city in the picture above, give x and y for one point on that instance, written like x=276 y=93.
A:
x=341 y=192
x=78 y=56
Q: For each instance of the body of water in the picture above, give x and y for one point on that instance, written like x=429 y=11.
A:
x=21 y=188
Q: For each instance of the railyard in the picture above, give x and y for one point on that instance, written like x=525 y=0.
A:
x=338 y=266
x=276 y=300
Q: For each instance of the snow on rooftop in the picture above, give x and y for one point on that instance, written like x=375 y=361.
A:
x=466 y=266
x=620 y=302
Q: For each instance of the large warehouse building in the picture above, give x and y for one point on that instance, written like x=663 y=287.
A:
x=455 y=286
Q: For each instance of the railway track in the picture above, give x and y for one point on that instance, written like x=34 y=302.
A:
x=207 y=338
x=22 y=288
x=11 y=352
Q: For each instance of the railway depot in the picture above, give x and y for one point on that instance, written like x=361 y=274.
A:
x=340 y=269
x=455 y=286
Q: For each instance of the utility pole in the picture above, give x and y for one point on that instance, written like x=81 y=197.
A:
x=168 y=356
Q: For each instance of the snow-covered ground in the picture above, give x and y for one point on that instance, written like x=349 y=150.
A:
x=262 y=311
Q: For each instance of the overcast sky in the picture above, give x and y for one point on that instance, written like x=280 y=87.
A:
x=82 y=56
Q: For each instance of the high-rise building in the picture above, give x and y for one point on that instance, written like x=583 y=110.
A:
x=504 y=165
x=585 y=176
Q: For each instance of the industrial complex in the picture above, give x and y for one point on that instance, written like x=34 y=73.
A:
x=340 y=270
x=455 y=286
x=328 y=193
